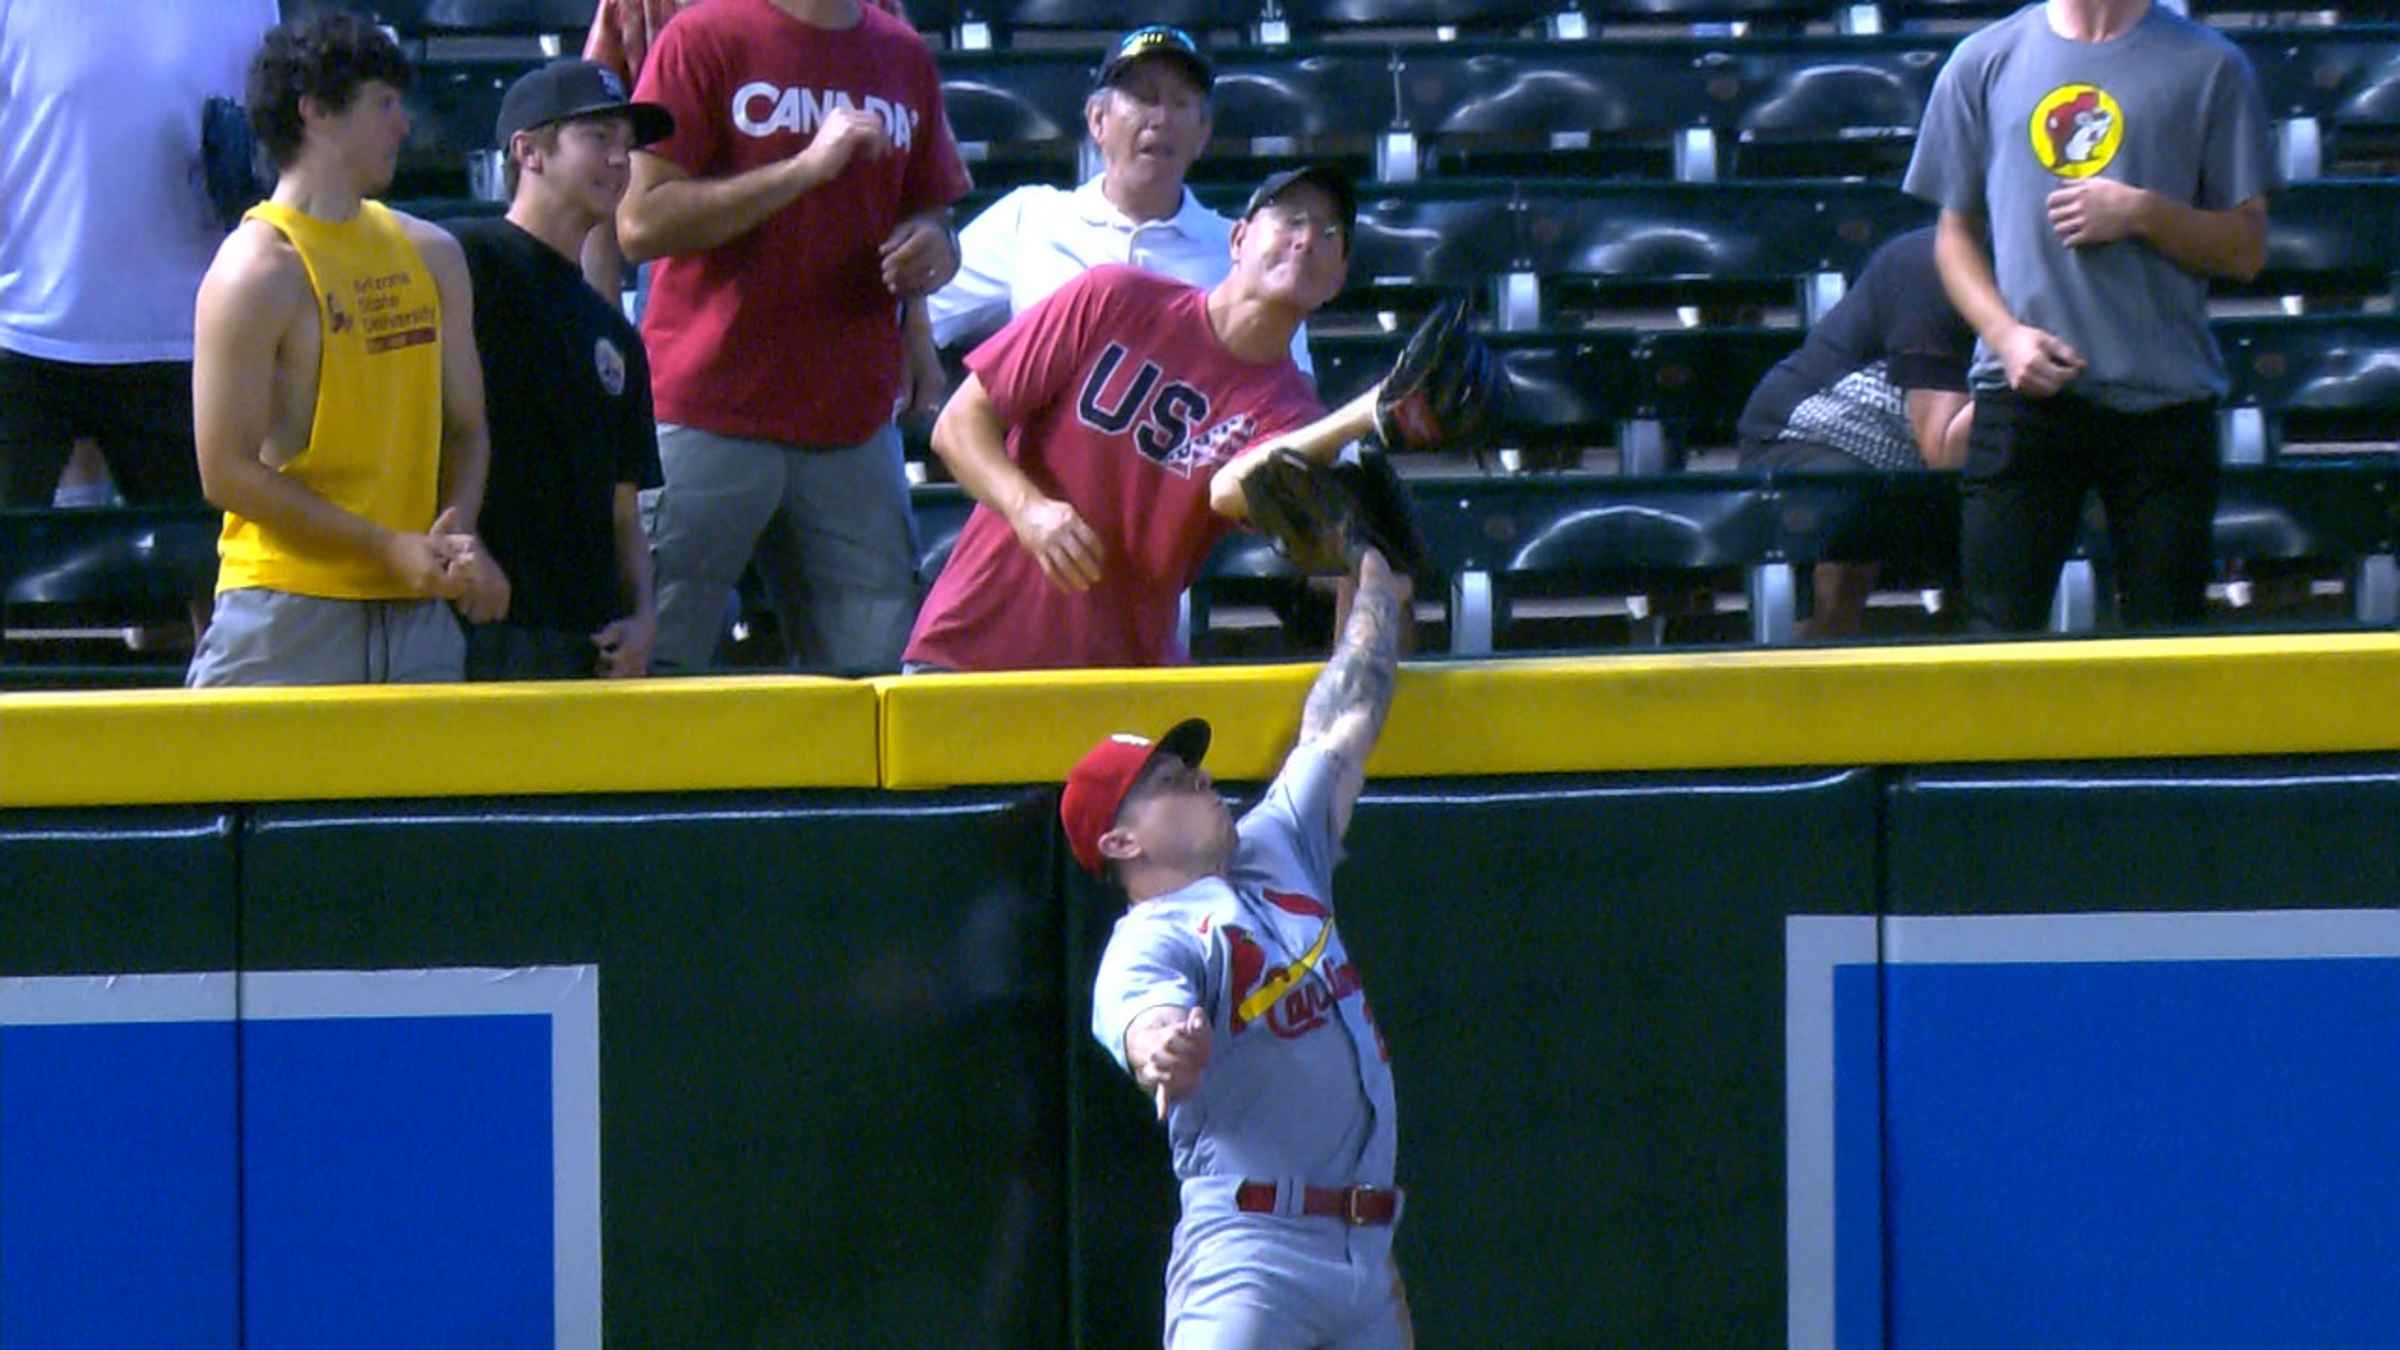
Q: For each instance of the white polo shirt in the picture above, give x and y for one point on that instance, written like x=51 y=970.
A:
x=1036 y=239
x=105 y=227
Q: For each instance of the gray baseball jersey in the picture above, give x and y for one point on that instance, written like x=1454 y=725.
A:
x=1298 y=1085
x=2019 y=112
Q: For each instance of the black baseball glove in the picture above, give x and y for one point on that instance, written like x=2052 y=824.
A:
x=1446 y=392
x=1322 y=518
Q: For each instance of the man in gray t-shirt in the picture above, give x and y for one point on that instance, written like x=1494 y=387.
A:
x=2096 y=162
x=1227 y=994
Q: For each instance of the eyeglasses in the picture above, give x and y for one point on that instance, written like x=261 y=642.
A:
x=1299 y=220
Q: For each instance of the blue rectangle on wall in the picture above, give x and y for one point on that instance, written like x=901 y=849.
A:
x=399 y=1182
x=117 y=1191
x=2143 y=1153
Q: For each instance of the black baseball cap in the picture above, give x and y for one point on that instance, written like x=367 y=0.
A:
x=1157 y=39
x=564 y=89
x=1335 y=183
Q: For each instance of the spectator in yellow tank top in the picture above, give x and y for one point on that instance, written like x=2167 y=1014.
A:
x=337 y=398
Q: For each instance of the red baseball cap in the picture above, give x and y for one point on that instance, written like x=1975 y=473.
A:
x=1097 y=785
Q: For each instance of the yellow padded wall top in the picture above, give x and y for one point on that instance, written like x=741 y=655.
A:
x=260 y=745
x=2002 y=701
x=2124 y=698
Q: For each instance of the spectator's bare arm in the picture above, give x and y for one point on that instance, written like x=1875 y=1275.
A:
x=668 y=211
x=973 y=442
x=2038 y=363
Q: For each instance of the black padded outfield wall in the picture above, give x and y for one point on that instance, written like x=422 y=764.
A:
x=2134 y=1016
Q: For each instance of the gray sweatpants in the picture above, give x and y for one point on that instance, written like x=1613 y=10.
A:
x=831 y=530
x=263 y=637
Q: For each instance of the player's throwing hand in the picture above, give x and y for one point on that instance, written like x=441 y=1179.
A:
x=1169 y=1047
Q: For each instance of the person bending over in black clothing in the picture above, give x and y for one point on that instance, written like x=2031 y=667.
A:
x=1879 y=386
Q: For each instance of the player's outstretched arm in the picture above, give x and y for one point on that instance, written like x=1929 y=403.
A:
x=1345 y=710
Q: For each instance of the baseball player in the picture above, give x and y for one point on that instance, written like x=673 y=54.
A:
x=1227 y=994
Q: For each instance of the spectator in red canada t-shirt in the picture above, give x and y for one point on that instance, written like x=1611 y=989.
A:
x=1088 y=430
x=802 y=199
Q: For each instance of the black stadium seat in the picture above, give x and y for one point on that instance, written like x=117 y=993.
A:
x=1021 y=110
x=1001 y=98
x=1791 y=12
x=2316 y=379
x=2349 y=74
x=1612 y=244
x=1434 y=234
x=107 y=568
x=1302 y=92
x=1567 y=389
x=1854 y=101
x=453 y=106
x=1004 y=18
x=430 y=18
x=2334 y=243
x=1487 y=16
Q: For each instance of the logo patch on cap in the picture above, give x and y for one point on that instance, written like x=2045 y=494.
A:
x=609 y=82
x=1128 y=738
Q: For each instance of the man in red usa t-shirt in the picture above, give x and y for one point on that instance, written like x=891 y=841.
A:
x=802 y=199
x=1088 y=430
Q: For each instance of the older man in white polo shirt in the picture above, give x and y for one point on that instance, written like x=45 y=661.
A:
x=1149 y=115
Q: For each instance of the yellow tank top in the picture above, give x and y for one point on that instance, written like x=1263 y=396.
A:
x=375 y=439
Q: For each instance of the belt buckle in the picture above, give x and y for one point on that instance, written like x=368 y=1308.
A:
x=1350 y=1200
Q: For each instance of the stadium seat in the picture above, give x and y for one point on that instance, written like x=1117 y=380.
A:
x=1002 y=98
x=1301 y=92
x=121 y=567
x=2332 y=243
x=2335 y=84
x=1414 y=239
x=1764 y=12
x=1022 y=109
x=2312 y=379
x=1604 y=245
x=430 y=18
x=1268 y=108
x=1500 y=540
x=453 y=106
x=1489 y=17
x=995 y=23
x=1567 y=390
x=1706 y=107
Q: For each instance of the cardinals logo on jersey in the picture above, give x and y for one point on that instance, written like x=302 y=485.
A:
x=2076 y=130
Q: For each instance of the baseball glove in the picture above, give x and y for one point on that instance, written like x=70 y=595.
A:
x=1445 y=392
x=1322 y=518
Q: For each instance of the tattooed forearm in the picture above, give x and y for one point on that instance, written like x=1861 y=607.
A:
x=1350 y=699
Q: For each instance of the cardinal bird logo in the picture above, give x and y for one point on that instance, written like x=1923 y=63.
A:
x=1246 y=963
x=2076 y=130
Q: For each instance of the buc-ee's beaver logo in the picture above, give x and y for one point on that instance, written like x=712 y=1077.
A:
x=2076 y=130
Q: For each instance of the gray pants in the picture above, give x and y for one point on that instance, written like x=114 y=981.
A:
x=833 y=536
x=261 y=637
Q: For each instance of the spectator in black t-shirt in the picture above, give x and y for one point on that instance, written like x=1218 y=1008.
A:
x=1879 y=386
x=566 y=388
